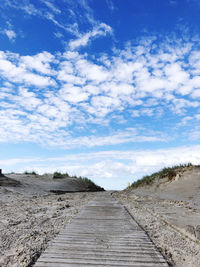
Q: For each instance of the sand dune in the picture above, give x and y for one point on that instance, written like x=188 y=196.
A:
x=169 y=210
x=40 y=184
x=185 y=186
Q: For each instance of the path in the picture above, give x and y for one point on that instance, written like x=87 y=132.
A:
x=103 y=234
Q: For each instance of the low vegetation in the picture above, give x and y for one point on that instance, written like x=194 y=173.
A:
x=91 y=186
x=59 y=175
x=169 y=172
x=30 y=173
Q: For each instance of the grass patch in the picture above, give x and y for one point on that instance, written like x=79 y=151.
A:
x=87 y=183
x=90 y=184
x=59 y=175
x=30 y=173
x=169 y=172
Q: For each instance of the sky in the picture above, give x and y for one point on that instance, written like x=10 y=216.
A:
x=107 y=89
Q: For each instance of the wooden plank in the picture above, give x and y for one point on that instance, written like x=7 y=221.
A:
x=102 y=234
x=93 y=253
x=134 y=264
x=102 y=258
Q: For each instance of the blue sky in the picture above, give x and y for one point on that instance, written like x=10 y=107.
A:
x=107 y=89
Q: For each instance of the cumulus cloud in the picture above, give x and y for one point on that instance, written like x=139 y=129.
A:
x=45 y=94
x=40 y=62
x=44 y=123
x=16 y=69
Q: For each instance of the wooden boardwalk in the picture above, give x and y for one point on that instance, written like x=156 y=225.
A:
x=103 y=234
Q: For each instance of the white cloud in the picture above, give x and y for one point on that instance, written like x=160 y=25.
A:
x=194 y=60
x=110 y=5
x=15 y=71
x=24 y=5
x=72 y=89
x=180 y=106
x=147 y=112
x=58 y=35
x=176 y=74
x=197 y=116
x=34 y=119
x=40 y=62
x=185 y=120
x=91 y=71
x=10 y=34
x=194 y=134
x=48 y=11
x=101 y=30
x=196 y=93
x=51 y=6
x=125 y=136
x=73 y=94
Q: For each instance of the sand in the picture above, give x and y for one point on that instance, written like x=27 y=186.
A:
x=30 y=216
x=170 y=213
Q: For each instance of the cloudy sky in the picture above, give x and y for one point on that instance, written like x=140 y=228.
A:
x=107 y=89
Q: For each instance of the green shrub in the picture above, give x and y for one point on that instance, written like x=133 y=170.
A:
x=30 y=173
x=59 y=175
x=90 y=184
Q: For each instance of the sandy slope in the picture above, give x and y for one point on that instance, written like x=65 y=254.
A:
x=40 y=184
x=184 y=187
x=30 y=216
x=170 y=212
